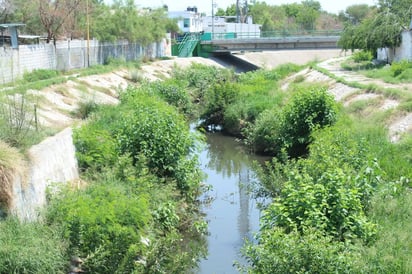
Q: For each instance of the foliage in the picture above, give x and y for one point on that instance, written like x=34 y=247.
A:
x=294 y=252
x=362 y=55
x=355 y=13
x=391 y=209
x=30 y=248
x=217 y=100
x=154 y=129
x=40 y=74
x=290 y=128
x=94 y=147
x=11 y=165
x=173 y=92
x=101 y=223
x=332 y=204
x=398 y=68
x=19 y=126
x=381 y=28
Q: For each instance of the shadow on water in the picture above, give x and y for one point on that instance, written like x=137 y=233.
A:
x=232 y=215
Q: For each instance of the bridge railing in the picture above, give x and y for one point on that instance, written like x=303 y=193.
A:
x=268 y=34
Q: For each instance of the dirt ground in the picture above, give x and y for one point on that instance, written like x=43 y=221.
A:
x=60 y=100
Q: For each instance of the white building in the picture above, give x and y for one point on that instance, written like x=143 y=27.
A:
x=189 y=20
x=222 y=28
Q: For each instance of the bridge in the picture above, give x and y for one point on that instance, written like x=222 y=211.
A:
x=206 y=44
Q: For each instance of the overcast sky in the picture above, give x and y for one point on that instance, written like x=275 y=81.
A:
x=333 y=6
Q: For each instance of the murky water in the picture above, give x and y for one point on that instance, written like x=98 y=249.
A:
x=232 y=215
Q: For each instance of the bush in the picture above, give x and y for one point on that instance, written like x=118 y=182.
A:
x=295 y=252
x=398 y=68
x=174 y=93
x=40 y=74
x=150 y=127
x=362 y=55
x=94 y=147
x=18 y=121
x=30 y=248
x=290 y=128
x=101 y=223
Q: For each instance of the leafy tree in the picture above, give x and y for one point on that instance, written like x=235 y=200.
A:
x=54 y=14
x=378 y=29
x=355 y=13
x=6 y=9
x=312 y=4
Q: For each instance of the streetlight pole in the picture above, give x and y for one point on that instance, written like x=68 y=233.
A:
x=88 y=33
x=213 y=19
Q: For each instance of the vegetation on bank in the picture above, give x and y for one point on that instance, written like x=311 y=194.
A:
x=339 y=190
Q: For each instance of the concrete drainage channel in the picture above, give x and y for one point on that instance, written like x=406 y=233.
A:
x=231 y=61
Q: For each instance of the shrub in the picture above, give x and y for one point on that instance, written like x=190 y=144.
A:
x=101 y=223
x=150 y=127
x=94 y=147
x=295 y=252
x=398 y=67
x=174 y=93
x=333 y=203
x=30 y=248
x=18 y=121
x=290 y=128
x=362 y=55
x=40 y=74
x=85 y=108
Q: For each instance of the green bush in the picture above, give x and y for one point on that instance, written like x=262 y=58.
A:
x=217 y=99
x=40 y=74
x=150 y=127
x=290 y=128
x=362 y=55
x=30 y=248
x=307 y=111
x=398 y=68
x=174 y=93
x=333 y=203
x=297 y=252
x=94 y=147
x=101 y=223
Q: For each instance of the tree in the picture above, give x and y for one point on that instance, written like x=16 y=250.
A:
x=55 y=13
x=356 y=13
x=379 y=29
x=6 y=8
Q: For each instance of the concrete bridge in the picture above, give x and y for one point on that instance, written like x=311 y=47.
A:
x=269 y=43
x=217 y=43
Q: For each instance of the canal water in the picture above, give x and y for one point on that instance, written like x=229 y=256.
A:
x=232 y=214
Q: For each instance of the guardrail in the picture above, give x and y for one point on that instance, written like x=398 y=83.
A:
x=268 y=34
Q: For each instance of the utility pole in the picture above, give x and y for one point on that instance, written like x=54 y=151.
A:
x=88 y=33
x=213 y=19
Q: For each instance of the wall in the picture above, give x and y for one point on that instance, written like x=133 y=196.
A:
x=72 y=54
x=403 y=52
x=51 y=162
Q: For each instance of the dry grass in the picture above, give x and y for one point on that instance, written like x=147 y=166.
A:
x=11 y=164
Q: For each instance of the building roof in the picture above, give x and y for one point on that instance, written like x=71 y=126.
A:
x=8 y=25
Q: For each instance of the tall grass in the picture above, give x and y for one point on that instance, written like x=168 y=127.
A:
x=11 y=165
x=30 y=248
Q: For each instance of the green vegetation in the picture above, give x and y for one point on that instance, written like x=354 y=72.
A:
x=122 y=20
x=30 y=248
x=339 y=191
x=375 y=27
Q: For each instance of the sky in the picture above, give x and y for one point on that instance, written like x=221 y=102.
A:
x=332 y=6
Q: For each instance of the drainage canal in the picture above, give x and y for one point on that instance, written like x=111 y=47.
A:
x=232 y=214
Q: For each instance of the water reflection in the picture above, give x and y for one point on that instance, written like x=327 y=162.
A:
x=233 y=215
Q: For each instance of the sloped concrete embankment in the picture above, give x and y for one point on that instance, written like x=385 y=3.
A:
x=51 y=162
